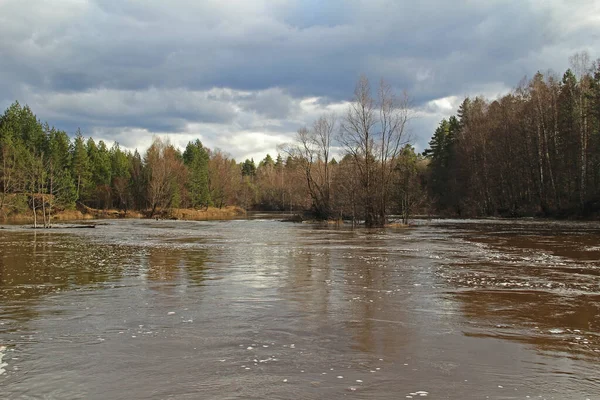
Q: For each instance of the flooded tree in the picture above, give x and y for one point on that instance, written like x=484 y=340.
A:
x=373 y=133
x=409 y=188
x=312 y=154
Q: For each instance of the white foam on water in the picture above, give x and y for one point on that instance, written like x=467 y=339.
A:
x=2 y=364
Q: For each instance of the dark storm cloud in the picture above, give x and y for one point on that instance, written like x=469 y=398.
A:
x=155 y=65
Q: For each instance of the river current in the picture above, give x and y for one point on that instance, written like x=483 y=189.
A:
x=262 y=309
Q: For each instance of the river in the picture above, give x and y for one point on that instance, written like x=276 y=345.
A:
x=261 y=309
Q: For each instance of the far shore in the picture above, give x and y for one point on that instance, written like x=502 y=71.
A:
x=204 y=214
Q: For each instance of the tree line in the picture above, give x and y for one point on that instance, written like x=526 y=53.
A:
x=43 y=170
x=532 y=152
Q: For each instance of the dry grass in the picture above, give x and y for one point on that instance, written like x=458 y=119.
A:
x=210 y=213
x=70 y=215
x=27 y=218
x=86 y=213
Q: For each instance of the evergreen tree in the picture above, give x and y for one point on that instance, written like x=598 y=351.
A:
x=80 y=166
x=195 y=157
x=267 y=161
x=121 y=175
x=248 y=168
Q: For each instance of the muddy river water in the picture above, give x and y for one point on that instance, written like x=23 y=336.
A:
x=261 y=309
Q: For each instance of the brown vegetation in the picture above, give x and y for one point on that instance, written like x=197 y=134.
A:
x=210 y=213
x=88 y=213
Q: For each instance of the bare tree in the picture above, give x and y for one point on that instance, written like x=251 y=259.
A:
x=373 y=133
x=323 y=129
x=581 y=65
x=224 y=179
x=393 y=117
x=312 y=152
x=165 y=170
x=347 y=187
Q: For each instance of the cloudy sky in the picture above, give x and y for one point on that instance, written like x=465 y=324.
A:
x=244 y=75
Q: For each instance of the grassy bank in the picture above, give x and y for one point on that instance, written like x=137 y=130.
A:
x=87 y=213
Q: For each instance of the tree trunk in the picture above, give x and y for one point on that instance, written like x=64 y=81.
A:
x=33 y=207
x=583 y=137
x=541 y=190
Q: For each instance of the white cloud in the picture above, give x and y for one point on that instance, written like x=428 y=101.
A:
x=244 y=75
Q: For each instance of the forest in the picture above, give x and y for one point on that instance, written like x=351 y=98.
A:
x=43 y=170
x=532 y=152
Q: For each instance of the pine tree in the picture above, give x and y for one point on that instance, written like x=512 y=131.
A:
x=195 y=157
x=80 y=167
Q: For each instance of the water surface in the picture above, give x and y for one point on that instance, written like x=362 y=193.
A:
x=260 y=309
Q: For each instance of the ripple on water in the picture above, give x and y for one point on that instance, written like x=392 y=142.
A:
x=324 y=304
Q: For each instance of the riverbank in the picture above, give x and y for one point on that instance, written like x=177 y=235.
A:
x=87 y=213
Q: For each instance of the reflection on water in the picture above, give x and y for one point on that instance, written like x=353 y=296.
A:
x=263 y=309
